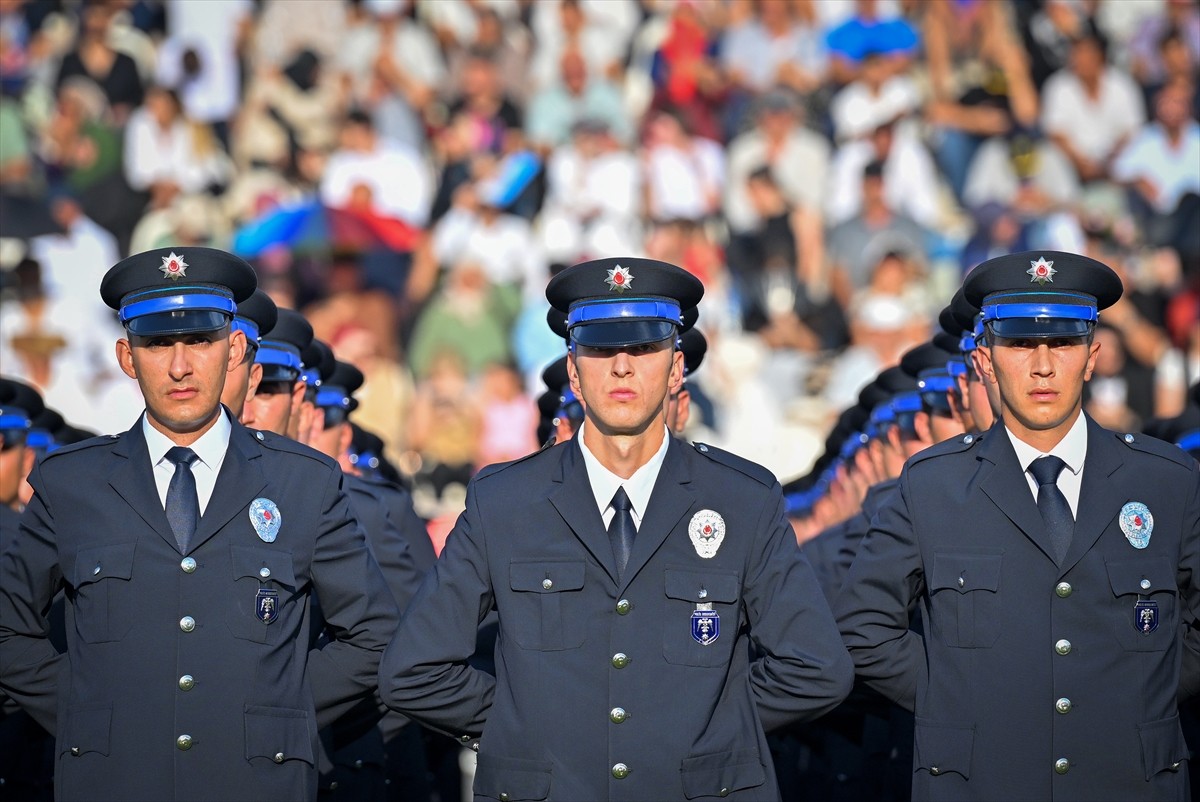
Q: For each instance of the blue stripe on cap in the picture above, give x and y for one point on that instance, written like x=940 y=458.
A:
x=956 y=367
x=39 y=438
x=626 y=308
x=907 y=402
x=273 y=353
x=311 y=377
x=883 y=413
x=331 y=396
x=171 y=303
x=967 y=344
x=1039 y=310
x=936 y=384
x=1190 y=441
x=14 y=420
x=248 y=327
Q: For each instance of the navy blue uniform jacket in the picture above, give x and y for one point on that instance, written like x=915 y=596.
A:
x=137 y=675
x=1033 y=681
x=592 y=672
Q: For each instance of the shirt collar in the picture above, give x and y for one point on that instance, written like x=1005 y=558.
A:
x=1072 y=449
x=638 y=487
x=210 y=448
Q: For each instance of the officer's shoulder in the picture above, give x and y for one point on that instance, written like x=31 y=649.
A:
x=82 y=445
x=286 y=445
x=740 y=464
x=955 y=445
x=531 y=458
x=1146 y=444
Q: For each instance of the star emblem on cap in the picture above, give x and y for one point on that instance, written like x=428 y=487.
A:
x=1041 y=271
x=619 y=278
x=173 y=267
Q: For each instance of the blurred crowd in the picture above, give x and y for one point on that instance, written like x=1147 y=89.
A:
x=410 y=173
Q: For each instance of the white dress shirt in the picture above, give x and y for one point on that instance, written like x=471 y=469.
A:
x=210 y=449
x=1072 y=450
x=638 y=487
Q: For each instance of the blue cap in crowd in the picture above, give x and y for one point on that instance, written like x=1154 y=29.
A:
x=255 y=316
x=280 y=348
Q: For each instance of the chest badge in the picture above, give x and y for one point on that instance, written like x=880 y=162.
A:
x=706 y=624
x=1137 y=523
x=265 y=518
x=1145 y=616
x=266 y=605
x=707 y=531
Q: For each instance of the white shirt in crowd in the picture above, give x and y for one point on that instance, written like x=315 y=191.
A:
x=210 y=449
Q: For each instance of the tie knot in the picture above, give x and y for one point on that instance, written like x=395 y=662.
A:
x=181 y=456
x=620 y=501
x=1046 y=470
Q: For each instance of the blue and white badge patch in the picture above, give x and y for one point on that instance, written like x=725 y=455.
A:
x=1145 y=616
x=266 y=605
x=265 y=518
x=1137 y=523
x=706 y=626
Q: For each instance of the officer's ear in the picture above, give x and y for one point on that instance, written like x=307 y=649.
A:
x=345 y=436
x=255 y=380
x=237 y=350
x=675 y=380
x=27 y=460
x=573 y=372
x=682 y=410
x=1093 y=351
x=921 y=424
x=983 y=363
x=125 y=358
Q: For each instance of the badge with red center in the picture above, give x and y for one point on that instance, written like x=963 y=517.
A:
x=265 y=518
x=619 y=278
x=707 y=531
x=1041 y=271
x=1137 y=523
x=173 y=267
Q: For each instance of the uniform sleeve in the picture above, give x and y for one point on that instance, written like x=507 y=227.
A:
x=1189 y=588
x=424 y=673
x=388 y=546
x=803 y=670
x=29 y=578
x=874 y=604
x=359 y=612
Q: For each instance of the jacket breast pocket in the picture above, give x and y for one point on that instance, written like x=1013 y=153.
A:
x=264 y=591
x=943 y=749
x=548 y=606
x=702 y=616
x=512 y=779
x=964 y=591
x=1144 y=592
x=720 y=774
x=104 y=603
x=280 y=748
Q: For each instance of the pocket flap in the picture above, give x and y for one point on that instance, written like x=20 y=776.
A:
x=546 y=577
x=87 y=729
x=265 y=565
x=279 y=734
x=722 y=773
x=1130 y=576
x=111 y=561
x=701 y=586
x=1163 y=746
x=965 y=572
x=941 y=749
x=512 y=778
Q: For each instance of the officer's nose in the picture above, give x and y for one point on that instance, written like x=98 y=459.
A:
x=622 y=364
x=181 y=364
x=1042 y=364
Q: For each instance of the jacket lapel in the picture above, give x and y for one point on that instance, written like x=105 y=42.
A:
x=1100 y=498
x=670 y=500
x=1003 y=481
x=574 y=500
x=133 y=479
x=239 y=482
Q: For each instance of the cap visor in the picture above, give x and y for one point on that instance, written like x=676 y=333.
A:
x=1017 y=327
x=178 y=321
x=279 y=373
x=622 y=333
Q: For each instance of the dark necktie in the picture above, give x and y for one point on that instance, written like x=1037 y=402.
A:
x=1052 y=504
x=621 y=530
x=183 y=505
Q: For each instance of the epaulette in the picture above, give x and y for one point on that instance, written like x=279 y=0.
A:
x=954 y=445
x=91 y=442
x=277 y=442
x=491 y=470
x=744 y=466
x=1159 y=448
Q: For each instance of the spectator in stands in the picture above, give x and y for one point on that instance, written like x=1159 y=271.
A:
x=868 y=32
x=686 y=74
x=165 y=154
x=1091 y=109
x=578 y=95
x=93 y=57
x=1180 y=22
x=73 y=261
x=599 y=30
x=878 y=95
x=504 y=43
x=684 y=174
x=910 y=179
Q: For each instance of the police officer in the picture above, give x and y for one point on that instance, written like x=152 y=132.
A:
x=630 y=572
x=276 y=402
x=1055 y=567
x=189 y=548
x=254 y=316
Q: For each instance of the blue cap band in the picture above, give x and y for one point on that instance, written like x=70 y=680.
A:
x=248 y=327
x=39 y=438
x=14 y=420
x=204 y=300
x=624 y=309
x=1190 y=441
x=1039 y=310
x=906 y=402
x=311 y=377
x=967 y=344
x=936 y=384
x=271 y=352
x=956 y=368
x=883 y=413
x=331 y=396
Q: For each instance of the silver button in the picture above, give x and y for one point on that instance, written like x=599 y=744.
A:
x=278 y=757
x=1174 y=766
x=187 y=623
x=1063 y=589
x=184 y=742
x=723 y=792
x=75 y=751
x=1062 y=765
x=961 y=582
x=703 y=593
x=358 y=764
x=547 y=583
x=620 y=660
x=503 y=797
x=1063 y=705
x=703 y=449
x=620 y=771
x=617 y=715
x=623 y=607
x=970 y=438
x=264 y=572
x=96 y=570
x=188 y=565
x=465 y=738
x=187 y=682
x=259 y=435
x=1128 y=438
x=1145 y=584
x=1063 y=646
x=934 y=770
